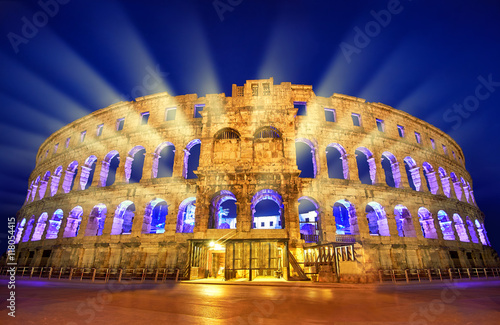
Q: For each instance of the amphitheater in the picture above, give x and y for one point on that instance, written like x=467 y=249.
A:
x=273 y=181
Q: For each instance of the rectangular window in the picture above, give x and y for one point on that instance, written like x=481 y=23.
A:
x=330 y=115
x=120 y=123
x=82 y=136
x=266 y=89
x=240 y=91
x=271 y=223
x=433 y=144
x=255 y=90
x=55 y=147
x=380 y=125
x=454 y=155
x=262 y=224
x=356 y=119
x=197 y=109
x=99 y=129
x=170 y=113
x=144 y=118
x=401 y=131
x=445 y=150
x=418 y=137
x=301 y=108
x=67 y=142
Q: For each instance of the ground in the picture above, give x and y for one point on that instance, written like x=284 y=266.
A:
x=62 y=302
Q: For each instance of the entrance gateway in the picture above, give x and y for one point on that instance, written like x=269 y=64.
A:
x=238 y=259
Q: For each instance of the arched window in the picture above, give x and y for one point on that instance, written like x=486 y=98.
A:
x=267 y=132
x=54 y=224
x=97 y=217
x=267 y=143
x=134 y=164
x=163 y=160
x=154 y=217
x=20 y=230
x=123 y=219
x=69 y=178
x=445 y=181
x=366 y=166
x=480 y=231
x=54 y=184
x=87 y=173
x=227 y=145
x=108 y=168
x=73 y=222
x=223 y=211
x=346 y=221
x=43 y=185
x=427 y=223
x=430 y=177
x=404 y=221
x=377 y=219
x=446 y=226
x=309 y=219
x=306 y=158
x=336 y=159
x=40 y=227
x=472 y=230
x=456 y=185
x=267 y=210
x=390 y=166
x=186 y=215
x=191 y=159
x=29 y=229
x=412 y=173
x=459 y=226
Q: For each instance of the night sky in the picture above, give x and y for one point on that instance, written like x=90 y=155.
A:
x=63 y=60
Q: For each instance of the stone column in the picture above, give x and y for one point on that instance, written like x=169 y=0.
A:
x=353 y=168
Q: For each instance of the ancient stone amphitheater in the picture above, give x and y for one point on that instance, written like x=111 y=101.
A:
x=273 y=181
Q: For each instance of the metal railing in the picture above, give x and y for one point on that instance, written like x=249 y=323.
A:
x=429 y=275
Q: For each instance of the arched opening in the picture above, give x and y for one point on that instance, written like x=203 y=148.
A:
x=427 y=223
x=73 y=222
x=123 y=219
x=163 y=160
x=223 y=211
x=404 y=221
x=191 y=159
x=309 y=219
x=43 y=185
x=390 y=166
x=97 y=217
x=69 y=178
x=459 y=226
x=480 y=231
x=186 y=215
x=20 y=229
x=40 y=227
x=412 y=173
x=227 y=145
x=472 y=230
x=377 y=219
x=267 y=143
x=346 y=221
x=456 y=186
x=108 y=168
x=430 y=178
x=154 y=217
x=366 y=166
x=34 y=188
x=54 y=184
x=446 y=226
x=28 y=229
x=87 y=173
x=445 y=181
x=336 y=160
x=465 y=187
x=134 y=164
x=267 y=210
x=305 y=158
x=54 y=224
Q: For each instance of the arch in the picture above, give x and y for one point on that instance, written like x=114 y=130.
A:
x=465 y=187
x=226 y=134
x=336 y=160
x=377 y=219
x=446 y=226
x=186 y=216
x=345 y=217
x=28 y=229
x=430 y=178
x=226 y=145
x=20 y=230
x=40 y=227
x=267 y=132
x=154 y=217
x=73 y=222
x=306 y=158
x=56 y=177
x=34 y=188
x=404 y=221
x=69 y=178
x=54 y=224
x=267 y=210
x=367 y=170
x=267 y=144
x=191 y=159
x=472 y=230
x=43 y=184
x=456 y=186
x=97 y=217
x=134 y=164
x=223 y=214
x=163 y=160
x=390 y=166
x=459 y=226
x=87 y=173
x=412 y=173
x=445 y=181
x=427 y=223
x=480 y=231
x=108 y=168
x=309 y=219
x=123 y=218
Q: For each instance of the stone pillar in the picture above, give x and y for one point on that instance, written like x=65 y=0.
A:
x=417 y=181
x=84 y=176
x=423 y=181
x=396 y=175
x=353 y=167
x=128 y=168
